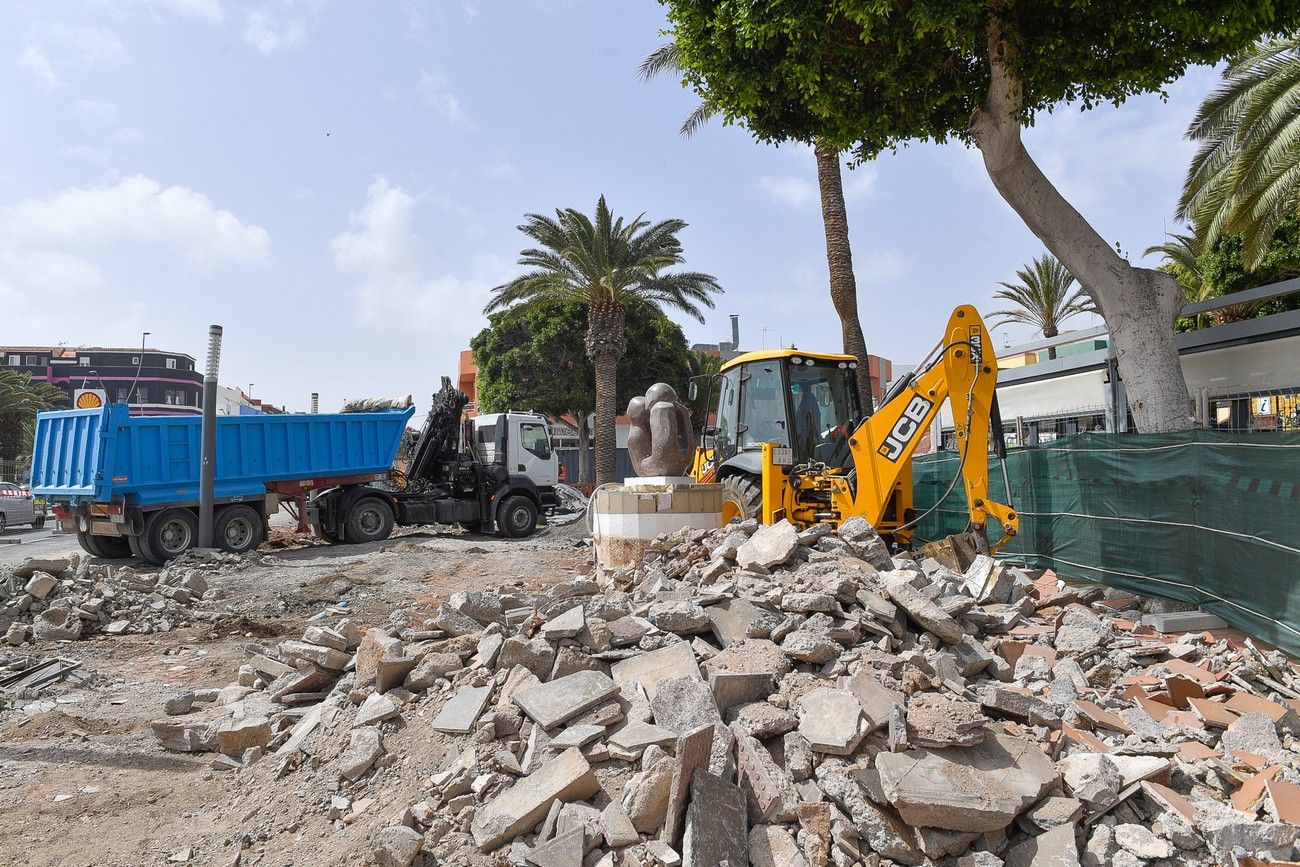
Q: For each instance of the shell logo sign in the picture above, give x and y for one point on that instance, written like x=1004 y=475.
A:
x=89 y=398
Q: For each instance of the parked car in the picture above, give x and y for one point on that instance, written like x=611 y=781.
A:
x=17 y=506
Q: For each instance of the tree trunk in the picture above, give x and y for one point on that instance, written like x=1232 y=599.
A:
x=584 y=446
x=1139 y=305
x=606 y=343
x=1051 y=350
x=839 y=258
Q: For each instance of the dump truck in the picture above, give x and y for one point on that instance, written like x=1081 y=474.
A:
x=128 y=485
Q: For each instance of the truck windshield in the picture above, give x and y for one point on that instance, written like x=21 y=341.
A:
x=824 y=406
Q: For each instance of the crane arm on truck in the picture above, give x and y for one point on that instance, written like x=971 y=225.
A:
x=875 y=483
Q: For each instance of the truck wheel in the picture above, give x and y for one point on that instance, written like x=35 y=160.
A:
x=517 y=517
x=38 y=523
x=114 y=547
x=369 y=520
x=169 y=534
x=89 y=543
x=741 y=495
x=238 y=529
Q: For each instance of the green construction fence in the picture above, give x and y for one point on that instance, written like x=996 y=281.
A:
x=1203 y=517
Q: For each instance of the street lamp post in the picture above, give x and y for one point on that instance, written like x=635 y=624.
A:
x=208 y=438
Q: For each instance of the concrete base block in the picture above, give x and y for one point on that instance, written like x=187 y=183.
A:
x=1184 y=621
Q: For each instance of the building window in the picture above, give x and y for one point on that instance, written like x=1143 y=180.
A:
x=32 y=360
x=135 y=359
x=15 y=360
x=142 y=395
x=122 y=394
x=85 y=361
x=177 y=397
x=171 y=364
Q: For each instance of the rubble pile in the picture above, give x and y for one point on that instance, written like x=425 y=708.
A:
x=774 y=697
x=67 y=599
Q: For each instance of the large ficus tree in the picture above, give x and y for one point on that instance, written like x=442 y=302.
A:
x=869 y=75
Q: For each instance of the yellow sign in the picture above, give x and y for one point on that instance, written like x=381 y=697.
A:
x=89 y=398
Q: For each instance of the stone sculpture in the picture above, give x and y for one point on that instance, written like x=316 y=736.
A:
x=659 y=441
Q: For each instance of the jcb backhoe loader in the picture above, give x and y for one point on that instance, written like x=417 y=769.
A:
x=790 y=440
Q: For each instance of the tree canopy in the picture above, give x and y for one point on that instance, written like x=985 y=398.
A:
x=533 y=357
x=873 y=75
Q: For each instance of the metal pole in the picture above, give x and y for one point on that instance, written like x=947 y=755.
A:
x=208 y=464
x=315 y=402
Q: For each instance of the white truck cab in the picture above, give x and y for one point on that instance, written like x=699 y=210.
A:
x=521 y=441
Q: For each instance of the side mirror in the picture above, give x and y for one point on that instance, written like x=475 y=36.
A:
x=692 y=391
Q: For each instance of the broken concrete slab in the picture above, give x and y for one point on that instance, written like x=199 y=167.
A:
x=567 y=777
x=938 y=720
x=1183 y=621
x=735 y=620
x=549 y=704
x=716 y=822
x=769 y=547
x=1055 y=848
x=651 y=669
x=693 y=751
x=920 y=609
x=831 y=721
x=877 y=701
x=683 y=704
x=460 y=713
x=366 y=746
x=975 y=789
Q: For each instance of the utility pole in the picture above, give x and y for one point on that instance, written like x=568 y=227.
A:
x=208 y=460
x=315 y=402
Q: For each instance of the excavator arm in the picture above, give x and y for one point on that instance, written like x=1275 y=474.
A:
x=962 y=370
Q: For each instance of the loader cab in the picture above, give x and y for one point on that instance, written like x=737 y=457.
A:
x=804 y=401
x=520 y=441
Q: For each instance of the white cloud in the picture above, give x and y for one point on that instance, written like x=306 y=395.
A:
x=127 y=135
x=500 y=169
x=790 y=190
x=37 y=65
x=48 y=44
x=135 y=209
x=878 y=266
x=433 y=90
x=206 y=10
x=396 y=283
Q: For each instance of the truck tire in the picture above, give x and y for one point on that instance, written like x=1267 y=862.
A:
x=89 y=543
x=169 y=534
x=39 y=523
x=369 y=519
x=238 y=529
x=114 y=547
x=517 y=517
x=741 y=497
x=138 y=550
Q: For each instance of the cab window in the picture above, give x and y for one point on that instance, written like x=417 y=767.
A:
x=724 y=441
x=763 y=399
x=534 y=439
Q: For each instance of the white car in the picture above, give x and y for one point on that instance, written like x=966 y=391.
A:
x=17 y=506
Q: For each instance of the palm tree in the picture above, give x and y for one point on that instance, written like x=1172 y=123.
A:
x=20 y=399
x=1245 y=177
x=666 y=60
x=605 y=263
x=1183 y=259
x=1042 y=298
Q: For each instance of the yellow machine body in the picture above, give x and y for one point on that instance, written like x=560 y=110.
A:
x=822 y=471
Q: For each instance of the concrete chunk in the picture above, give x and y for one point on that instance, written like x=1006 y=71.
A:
x=567 y=777
x=549 y=704
x=684 y=704
x=831 y=721
x=770 y=546
x=920 y=609
x=716 y=822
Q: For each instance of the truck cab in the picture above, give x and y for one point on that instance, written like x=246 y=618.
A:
x=521 y=441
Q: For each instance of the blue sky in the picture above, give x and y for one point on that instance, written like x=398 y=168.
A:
x=338 y=184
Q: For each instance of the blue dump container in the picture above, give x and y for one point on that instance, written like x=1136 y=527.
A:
x=108 y=455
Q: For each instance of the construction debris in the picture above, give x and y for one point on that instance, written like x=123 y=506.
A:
x=776 y=697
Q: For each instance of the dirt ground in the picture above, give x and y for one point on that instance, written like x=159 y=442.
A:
x=84 y=783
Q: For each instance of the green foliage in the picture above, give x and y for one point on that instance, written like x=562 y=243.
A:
x=1221 y=270
x=1245 y=177
x=873 y=74
x=532 y=357
x=605 y=261
x=20 y=399
x=1041 y=297
x=703 y=366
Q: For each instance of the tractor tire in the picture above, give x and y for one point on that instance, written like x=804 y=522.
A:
x=742 y=495
x=238 y=529
x=168 y=534
x=369 y=520
x=517 y=517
